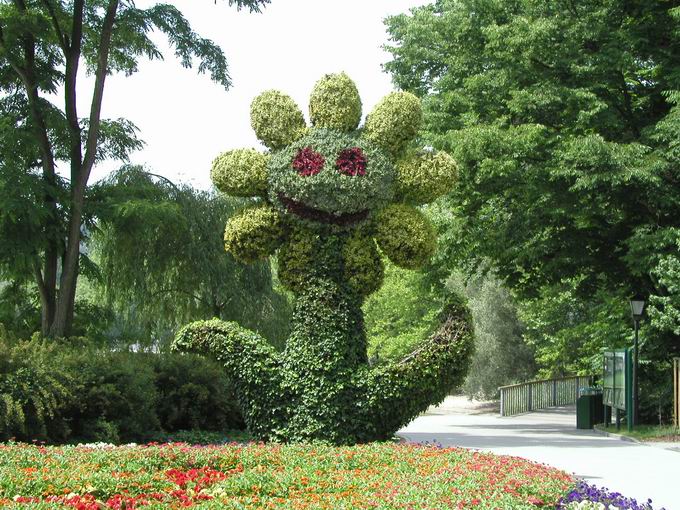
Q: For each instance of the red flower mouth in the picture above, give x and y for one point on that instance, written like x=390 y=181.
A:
x=311 y=213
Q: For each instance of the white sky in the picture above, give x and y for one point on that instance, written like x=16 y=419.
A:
x=187 y=120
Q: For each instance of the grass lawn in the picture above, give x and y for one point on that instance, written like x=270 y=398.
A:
x=240 y=476
x=647 y=432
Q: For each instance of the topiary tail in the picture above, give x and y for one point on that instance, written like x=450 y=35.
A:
x=251 y=363
x=398 y=392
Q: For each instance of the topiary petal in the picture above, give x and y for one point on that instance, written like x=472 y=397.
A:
x=423 y=177
x=335 y=103
x=394 y=121
x=276 y=119
x=405 y=235
x=241 y=173
x=254 y=234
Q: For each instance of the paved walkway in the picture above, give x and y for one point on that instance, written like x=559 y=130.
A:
x=636 y=470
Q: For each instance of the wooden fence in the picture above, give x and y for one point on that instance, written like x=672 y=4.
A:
x=535 y=395
x=676 y=392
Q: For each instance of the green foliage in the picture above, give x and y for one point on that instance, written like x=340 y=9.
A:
x=193 y=394
x=276 y=119
x=253 y=234
x=394 y=122
x=564 y=121
x=241 y=172
x=501 y=355
x=401 y=314
x=363 y=267
x=561 y=159
x=330 y=190
x=58 y=393
x=326 y=207
x=114 y=396
x=422 y=178
x=568 y=333
x=297 y=259
x=399 y=392
x=335 y=103
x=664 y=309
x=33 y=388
x=251 y=363
x=43 y=46
x=161 y=256
x=405 y=235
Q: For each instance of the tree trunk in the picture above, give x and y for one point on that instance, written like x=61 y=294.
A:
x=80 y=171
x=69 y=270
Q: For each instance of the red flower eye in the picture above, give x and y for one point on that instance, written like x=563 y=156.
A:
x=351 y=162
x=308 y=162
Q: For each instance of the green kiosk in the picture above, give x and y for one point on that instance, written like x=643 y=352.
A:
x=617 y=387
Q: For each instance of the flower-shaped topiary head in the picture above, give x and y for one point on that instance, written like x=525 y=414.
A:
x=334 y=179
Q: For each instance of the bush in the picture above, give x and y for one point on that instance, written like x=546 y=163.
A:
x=116 y=395
x=193 y=393
x=63 y=393
x=32 y=389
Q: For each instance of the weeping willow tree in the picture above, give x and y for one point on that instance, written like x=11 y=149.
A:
x=162 y=263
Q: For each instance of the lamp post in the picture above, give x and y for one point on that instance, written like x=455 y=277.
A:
x=637 y=308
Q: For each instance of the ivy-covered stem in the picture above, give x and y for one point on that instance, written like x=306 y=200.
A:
x=251 y=363
x=398 y=392
x=326 y=348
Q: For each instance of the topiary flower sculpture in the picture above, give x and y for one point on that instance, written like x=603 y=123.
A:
x=332 y=197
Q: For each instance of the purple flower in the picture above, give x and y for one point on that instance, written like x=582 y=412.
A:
x=585 y=492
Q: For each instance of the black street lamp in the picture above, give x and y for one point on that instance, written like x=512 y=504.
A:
x=637 y=308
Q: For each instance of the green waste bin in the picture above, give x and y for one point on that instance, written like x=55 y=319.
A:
x=589 y=408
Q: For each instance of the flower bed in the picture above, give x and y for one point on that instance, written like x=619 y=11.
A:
x=378 y=475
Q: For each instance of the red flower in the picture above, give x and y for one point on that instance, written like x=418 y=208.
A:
x=351 y=162
x=308 y=162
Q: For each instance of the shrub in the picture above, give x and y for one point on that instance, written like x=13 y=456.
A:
x=33 y=390
x=60 y=393
x=241 y=172
x=335 y=103
x=253 y=234
x=276 y=119
x=194 y=393
x=116 y=396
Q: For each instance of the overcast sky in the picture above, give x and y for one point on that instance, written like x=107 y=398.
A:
x=186 y=120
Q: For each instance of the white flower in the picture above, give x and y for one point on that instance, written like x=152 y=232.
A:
x=589 y=505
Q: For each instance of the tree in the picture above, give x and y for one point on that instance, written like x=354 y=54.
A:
x=43 y=46
x=501 y=354
x=162 y=263
x=562 y=117
x=552 y=110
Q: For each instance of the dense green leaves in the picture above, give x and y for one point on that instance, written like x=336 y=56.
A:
x=163 y=263
x=43 y=45
x=551 y=111
x=562 y=117
x=56 y=392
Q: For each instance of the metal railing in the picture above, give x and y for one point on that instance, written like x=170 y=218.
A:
x=676 y=392
x=535 y=395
